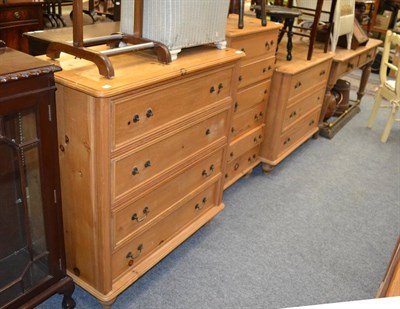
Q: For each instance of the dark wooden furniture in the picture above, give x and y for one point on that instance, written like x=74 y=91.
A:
x=17 y=18
x=32 y=261
x=345 y=61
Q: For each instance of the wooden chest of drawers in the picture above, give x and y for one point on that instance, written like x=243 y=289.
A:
x=254 y=80
x=17 y=18
x=297 y=93
x=141 y=159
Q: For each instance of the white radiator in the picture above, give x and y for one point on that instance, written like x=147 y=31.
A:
x=180 y=23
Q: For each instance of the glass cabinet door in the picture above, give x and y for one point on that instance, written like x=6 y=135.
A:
x=24 y=258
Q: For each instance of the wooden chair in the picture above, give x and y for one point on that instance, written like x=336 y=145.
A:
x=312 y=10
x=237 y=7
x=389 y=89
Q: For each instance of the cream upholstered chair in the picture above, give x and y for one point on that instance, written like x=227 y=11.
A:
x=343 y=22
x=389 y=89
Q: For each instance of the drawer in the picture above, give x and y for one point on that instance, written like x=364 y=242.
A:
x=304 y=80
x=301 y=131
x=255 y=72
x=298 y=109
x=127 y=257
x=143 y=210
x=366 y=57
x=244 y=143
x=347 y=66
x=241 y=165
x=19 y=14
x=137 y=115
x=251 y=96
x=248 y=120
x=135 y=168
x=257 y=44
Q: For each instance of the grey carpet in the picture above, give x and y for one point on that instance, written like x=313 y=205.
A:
x=319 y=229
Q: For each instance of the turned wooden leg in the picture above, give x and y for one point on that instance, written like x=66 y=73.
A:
x=267 y=168
x=67 y=290
x=289 y=45
x=107 y=304
x=366 y=71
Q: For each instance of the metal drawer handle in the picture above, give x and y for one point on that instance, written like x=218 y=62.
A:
x=240 y=78
x=149 y=113
x=298 y=84
x=286 y=141
x=208 y=132
x=17 y=15
x=236 y=167
x=322 y=73
x=147 y=164
x=267 y=45
x=136 y=118
x=220 y=86
x=131 y=257
x=207 y=174
x=350 y=65
x=369 y=56
x=145 y=213
x=243 y=50
x=135 y=171
x=212 y=89
x=200 y=206
x=311 y=123
x=236 y=106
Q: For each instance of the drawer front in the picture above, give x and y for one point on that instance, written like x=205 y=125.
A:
x=137 y=115
x=366 y=57
x=347 y=66
x=244 y=143
x=304 y=80
x=251 y=96
x=257 y=44
x=128 y=256
x=236 y=168
x=130 y=171
x=142 y=211
x=19 y=14
x=248 y=120
x=255 y=72
x=303 y=128
x=300 y=108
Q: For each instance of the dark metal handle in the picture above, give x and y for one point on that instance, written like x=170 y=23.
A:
x=212 y=89
x=145 y=213
x=240 y=78
x=17 y=15
x=322 y=73
x=311 y=122
x=200 y=206
x=135 y=171
x=220 y=86
x=207 y=174
x=350 y=65
x=236 y=106
x=131 y=256
x=147 y=163
x=149 y=113
x=136 y=118
x=298 y=84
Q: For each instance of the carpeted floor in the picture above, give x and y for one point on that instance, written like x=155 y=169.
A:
x=319 y=229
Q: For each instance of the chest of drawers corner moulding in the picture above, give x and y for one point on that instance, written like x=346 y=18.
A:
x=298 y=89
x=250 y=104
x=120 y=220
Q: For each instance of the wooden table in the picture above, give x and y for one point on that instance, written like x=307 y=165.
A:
x=39 y=40
x=345 y=61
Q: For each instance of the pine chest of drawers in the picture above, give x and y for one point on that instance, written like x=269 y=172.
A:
x=141 y=159
x=254 y=80
x=298 y=90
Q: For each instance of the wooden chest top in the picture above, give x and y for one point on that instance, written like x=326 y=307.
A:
x=137 y=70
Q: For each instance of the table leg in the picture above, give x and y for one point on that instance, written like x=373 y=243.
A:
x=289 y=22
x=366 y=71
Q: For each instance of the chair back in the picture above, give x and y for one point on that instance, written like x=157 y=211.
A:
x=392 y=40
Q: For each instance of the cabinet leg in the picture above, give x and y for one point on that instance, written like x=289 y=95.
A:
x=67 y=290
x=267 y=168
x=107 y=304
